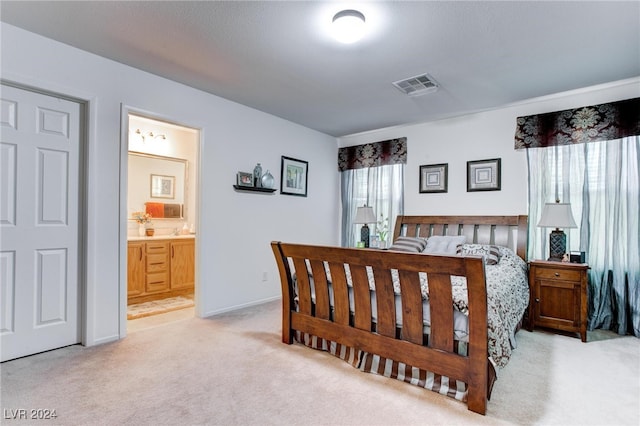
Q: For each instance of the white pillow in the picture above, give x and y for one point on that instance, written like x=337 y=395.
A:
x=444 y=244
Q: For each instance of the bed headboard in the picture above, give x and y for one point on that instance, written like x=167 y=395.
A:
x=508 y=231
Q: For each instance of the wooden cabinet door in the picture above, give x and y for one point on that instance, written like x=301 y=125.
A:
x=558 y=304
x=182 y=264
x=135 y=269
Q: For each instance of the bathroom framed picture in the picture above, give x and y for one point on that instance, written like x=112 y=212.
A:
x=163 y=186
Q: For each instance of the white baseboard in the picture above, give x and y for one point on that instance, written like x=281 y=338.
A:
x=242 y=306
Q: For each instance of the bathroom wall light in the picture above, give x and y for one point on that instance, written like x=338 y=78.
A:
x=348 y=26
x=150 y=135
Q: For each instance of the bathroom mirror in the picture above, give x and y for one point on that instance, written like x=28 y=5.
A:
x=157 y=185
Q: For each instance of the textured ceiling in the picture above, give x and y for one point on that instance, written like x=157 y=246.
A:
x=278 y=57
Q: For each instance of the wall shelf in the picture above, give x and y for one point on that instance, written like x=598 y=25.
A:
x=254 y=189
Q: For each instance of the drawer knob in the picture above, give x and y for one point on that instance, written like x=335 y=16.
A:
x=537 y=300
x=557 y=274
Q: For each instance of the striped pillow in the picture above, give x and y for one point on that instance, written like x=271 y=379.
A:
x=409 y=244
x=490 y=253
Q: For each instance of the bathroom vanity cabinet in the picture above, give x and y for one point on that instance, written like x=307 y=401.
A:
x=158 y=268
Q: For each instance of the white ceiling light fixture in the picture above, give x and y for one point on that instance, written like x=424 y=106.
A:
x=348 y=26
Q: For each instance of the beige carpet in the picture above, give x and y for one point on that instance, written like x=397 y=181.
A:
x=156 y=307
x=233 y=370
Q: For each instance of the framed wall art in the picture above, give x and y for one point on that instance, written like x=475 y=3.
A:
x=483 y=175
x=245 y=179
x=294 y=175
x=434 y=178
x=163 y=186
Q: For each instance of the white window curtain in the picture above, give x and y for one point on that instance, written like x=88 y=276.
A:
x=601 y=181
x=380 y=187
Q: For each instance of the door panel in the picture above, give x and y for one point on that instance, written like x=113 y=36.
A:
x=39 y=222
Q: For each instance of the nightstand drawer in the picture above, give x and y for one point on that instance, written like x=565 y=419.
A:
x=557 y=274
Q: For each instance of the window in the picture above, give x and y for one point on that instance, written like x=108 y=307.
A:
x=379 y=187
x=589 y=157
x=601 y=181
x=373 y=175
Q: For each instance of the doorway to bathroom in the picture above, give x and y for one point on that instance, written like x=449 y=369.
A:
x=162 y=219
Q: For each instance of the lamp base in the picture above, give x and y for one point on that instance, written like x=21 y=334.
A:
x=364 y=235
x=557 y=245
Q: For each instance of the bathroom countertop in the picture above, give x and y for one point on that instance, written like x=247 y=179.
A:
x=161 y=237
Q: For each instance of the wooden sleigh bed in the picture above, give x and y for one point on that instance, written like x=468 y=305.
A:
x=368 y=306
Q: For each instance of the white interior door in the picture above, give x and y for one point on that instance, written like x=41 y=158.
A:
x=39 y=222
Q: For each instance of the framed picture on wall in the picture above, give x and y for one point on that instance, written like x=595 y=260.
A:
x=163 y=186
x=483 y=175
x=434 y=178
x=294 y=175
x=245 y=179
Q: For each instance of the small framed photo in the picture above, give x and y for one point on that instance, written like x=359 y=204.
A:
x=434 y=178
x=483 y=175
x=163 y=186
x=245 y=179
x=294 y=175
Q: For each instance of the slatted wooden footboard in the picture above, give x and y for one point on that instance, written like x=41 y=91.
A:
x=307 y=308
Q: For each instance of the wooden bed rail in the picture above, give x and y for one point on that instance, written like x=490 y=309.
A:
x=307 y=307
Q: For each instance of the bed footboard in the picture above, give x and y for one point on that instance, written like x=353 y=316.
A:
x=325 y=310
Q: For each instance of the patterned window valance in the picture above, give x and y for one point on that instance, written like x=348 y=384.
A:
x=588 y=124
x=392 y=151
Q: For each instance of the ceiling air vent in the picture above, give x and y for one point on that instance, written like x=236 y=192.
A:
x=418 y=85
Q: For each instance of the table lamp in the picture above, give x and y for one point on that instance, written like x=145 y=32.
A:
x=557 y=215
x=364 y=215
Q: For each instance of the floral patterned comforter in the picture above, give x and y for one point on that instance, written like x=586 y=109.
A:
x=507 y=300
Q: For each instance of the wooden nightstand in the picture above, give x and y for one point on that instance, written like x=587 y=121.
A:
x=558 y=296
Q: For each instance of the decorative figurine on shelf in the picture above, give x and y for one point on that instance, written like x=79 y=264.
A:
x=267 y=180
x=257 y=176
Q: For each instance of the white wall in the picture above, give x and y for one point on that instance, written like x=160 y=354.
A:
x=481 y=136
x=234 y=229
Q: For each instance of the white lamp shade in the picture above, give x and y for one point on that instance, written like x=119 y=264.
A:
x=557 y=215
x=365 y=215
